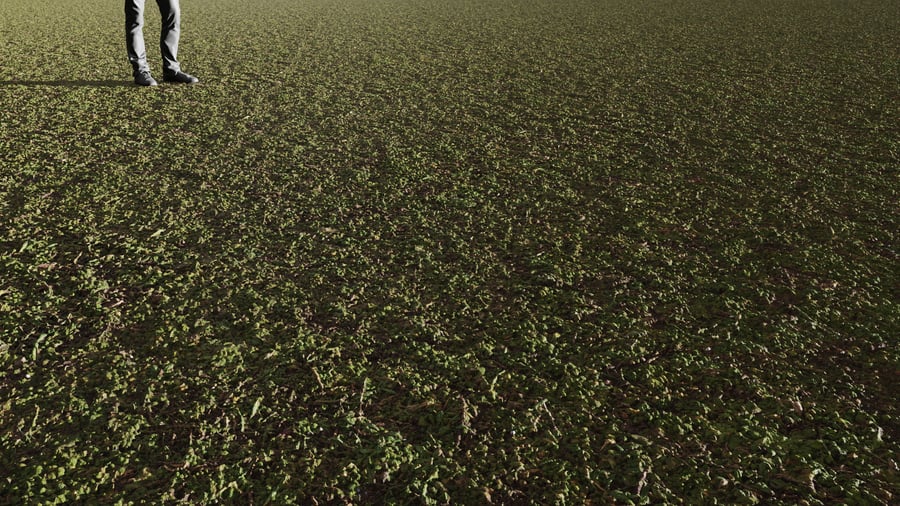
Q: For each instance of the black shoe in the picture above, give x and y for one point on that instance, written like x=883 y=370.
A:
x=179 y=77
x=143 y=78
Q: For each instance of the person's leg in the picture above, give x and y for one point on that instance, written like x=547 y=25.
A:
x=134 y=36
x=170 y=12
x=168 y=42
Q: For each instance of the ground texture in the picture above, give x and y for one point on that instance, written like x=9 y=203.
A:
x=495 y=251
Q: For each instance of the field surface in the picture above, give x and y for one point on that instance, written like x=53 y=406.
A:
x=430 y=251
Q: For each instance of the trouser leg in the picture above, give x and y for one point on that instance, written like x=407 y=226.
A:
x=170 y=12
x=134 y=35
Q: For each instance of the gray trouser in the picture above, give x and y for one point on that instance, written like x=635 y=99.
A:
x=170 y=12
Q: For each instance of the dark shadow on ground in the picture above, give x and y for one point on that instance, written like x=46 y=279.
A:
x=69 y=84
